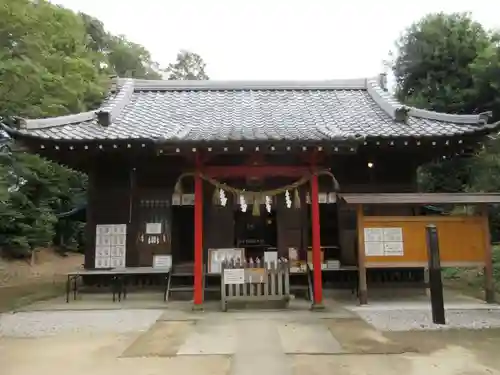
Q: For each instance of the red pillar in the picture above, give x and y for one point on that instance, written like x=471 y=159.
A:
x=198 y=241
x=316 y=244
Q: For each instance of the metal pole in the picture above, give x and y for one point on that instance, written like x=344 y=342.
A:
x=436 y=284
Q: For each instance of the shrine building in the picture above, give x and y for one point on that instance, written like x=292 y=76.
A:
x=321 y=173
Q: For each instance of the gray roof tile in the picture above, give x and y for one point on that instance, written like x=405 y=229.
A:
x=239 y=111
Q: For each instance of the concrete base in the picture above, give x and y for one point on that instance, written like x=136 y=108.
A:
x=490 y=296
x=363 y=297
x=317 y=307
x=197 y=308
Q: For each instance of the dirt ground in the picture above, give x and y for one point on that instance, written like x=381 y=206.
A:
x=48 y=266
x=22 y=283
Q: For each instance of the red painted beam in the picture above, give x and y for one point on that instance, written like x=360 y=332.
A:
x=316 y=243
x=256 y=171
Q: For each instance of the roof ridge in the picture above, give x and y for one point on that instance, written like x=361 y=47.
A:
x=236 y=85
x=391 y=106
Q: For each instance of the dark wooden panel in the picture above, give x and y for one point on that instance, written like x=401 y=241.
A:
x=106 y=206
x=154 y=206
x=219 y=227
x=289 y=226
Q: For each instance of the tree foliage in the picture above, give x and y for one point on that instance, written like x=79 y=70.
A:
x=435 y=61
x=46 y=68
x=188 y=66
x=54 y=62
x=450 y=63
x=119 y=55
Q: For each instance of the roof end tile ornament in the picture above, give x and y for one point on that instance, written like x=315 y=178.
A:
x=384 y=100
x=107 y=114
x=396 y=110
x=113 y=107
x=401 y=114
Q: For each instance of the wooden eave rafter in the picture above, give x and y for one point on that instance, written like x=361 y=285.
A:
x=334 y=147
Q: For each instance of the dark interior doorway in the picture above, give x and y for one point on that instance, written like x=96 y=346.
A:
x=182 y=234
x=329 y=230
x=256 y=233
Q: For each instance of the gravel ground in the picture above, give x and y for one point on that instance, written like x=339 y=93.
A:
x=46 y=323
x=408 y=320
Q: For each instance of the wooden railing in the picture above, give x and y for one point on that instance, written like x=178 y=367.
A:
x=255 y=282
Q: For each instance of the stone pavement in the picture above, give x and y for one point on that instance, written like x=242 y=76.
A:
x=126 y=340
x=257 y=341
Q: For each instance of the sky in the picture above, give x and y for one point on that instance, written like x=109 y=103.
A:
x=275 y=39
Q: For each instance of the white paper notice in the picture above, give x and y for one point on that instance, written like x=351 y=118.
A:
x=374 y=249
x=393 y=249
x=393 y=234
x=162 y=261
x=234 y=276
x=373 y=235
x=153 y=228
x=271 y=257
x=110 y=245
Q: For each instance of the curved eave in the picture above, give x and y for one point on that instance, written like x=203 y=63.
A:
x=480 y=130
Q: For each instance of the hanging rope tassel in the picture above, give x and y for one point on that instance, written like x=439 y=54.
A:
x=178 y=186
x=296 y=199
x=256 y=206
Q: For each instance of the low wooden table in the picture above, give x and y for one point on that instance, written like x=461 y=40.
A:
x=118 y=277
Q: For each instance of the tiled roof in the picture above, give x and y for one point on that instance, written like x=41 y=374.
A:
x=238 y=111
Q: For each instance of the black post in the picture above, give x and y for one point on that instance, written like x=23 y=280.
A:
x=436 y=284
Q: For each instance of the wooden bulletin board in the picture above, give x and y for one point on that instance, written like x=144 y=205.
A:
x=462 y=241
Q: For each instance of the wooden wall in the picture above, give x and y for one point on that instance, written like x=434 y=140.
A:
x=114 y=198
x=109 y=198
x=461 y=240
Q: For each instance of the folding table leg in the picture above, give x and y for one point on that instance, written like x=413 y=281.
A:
x=124 y=287
x=75 y=287
x=114 y=287
x=67 y=288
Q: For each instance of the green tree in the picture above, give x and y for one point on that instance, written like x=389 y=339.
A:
x=128 y=59
x=448 y=63
x=46 y=68
x=119 y=55
x=435 y=56
x=188 y=66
